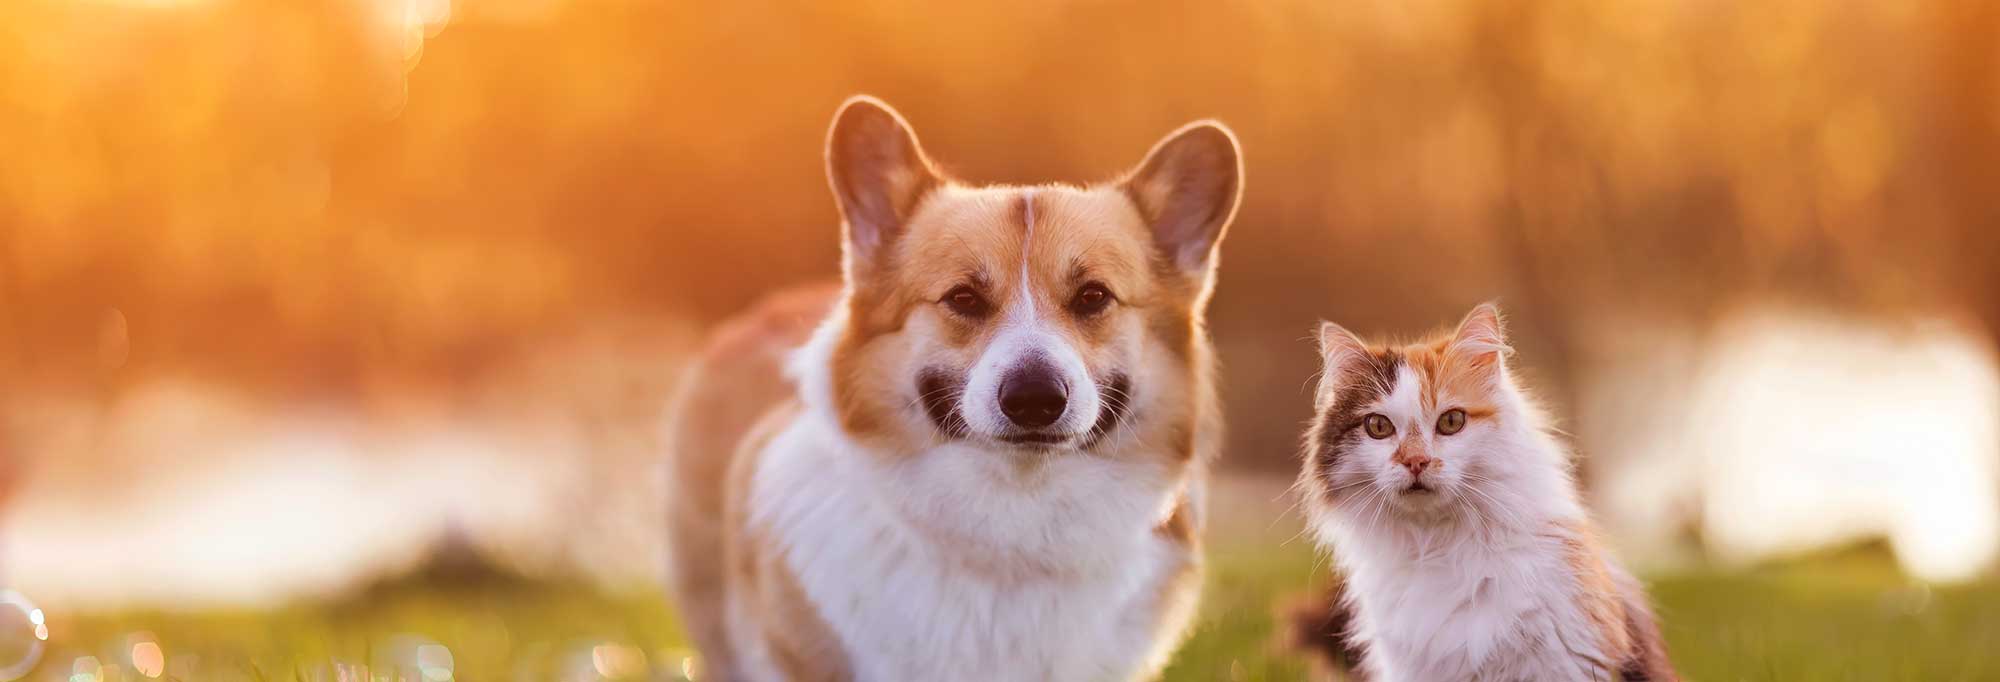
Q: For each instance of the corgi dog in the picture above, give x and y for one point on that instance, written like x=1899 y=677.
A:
x=1450 y=510
x=983 y=456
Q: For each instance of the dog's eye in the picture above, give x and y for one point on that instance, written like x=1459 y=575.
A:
x=1378 y=426
x=964 y=301
x=1450 y=422
x=1092 y=299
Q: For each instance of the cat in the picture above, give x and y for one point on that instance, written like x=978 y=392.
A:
x=1451 y=513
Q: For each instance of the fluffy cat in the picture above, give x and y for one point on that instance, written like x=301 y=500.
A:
x=1450 y=510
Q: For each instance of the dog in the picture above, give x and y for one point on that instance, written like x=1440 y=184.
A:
x=983 y=456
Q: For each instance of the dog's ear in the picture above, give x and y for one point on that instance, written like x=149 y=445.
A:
x=1187 y=189
x=878 y=174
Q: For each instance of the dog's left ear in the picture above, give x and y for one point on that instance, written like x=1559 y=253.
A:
x=1187 y=189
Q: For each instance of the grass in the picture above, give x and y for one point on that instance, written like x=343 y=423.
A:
x=1845 y=616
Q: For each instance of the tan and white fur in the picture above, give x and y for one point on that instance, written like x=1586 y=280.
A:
x=1451 y=513
x=986 y=461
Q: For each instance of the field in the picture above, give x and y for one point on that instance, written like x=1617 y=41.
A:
x=1844 y=616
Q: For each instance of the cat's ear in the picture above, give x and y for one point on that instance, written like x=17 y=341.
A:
x=1481 y=339
x=1187 y=188
x=1337 y=346
x=1339 y=350
x=878 y=173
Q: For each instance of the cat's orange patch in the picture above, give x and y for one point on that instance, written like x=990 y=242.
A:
x=1448 y=380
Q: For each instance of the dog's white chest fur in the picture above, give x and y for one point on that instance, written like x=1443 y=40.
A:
x=1057 y=582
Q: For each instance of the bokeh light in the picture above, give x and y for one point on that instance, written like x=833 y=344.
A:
x=415 y=658
x=145 y=655
x=618 y=661
x=86 y=669
x=24 y=634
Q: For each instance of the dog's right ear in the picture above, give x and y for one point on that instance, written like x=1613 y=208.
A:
x=878 y=174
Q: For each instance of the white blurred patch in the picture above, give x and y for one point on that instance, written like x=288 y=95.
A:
x=209 y=502
x=1784 y=431
x=182 y=493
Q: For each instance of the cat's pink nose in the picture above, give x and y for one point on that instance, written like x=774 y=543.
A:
x=1417 y=464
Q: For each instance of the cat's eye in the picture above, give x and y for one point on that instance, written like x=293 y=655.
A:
x=965 y=301
x=1378 y=426
x=1450 y=422
x=1092 y=299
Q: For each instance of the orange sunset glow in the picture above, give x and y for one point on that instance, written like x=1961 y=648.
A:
x=300 y=298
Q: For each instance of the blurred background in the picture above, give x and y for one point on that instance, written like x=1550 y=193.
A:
x=335 y=335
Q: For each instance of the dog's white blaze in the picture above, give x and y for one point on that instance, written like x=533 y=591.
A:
x=1024 y=334
x=1027 y=241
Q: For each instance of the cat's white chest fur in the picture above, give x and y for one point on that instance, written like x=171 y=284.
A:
x=907 y=607
x=1504 y=611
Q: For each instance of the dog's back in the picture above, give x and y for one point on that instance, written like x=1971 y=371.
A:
x=738 y=378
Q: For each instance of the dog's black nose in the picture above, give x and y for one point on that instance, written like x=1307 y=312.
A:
x=1033 y=396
